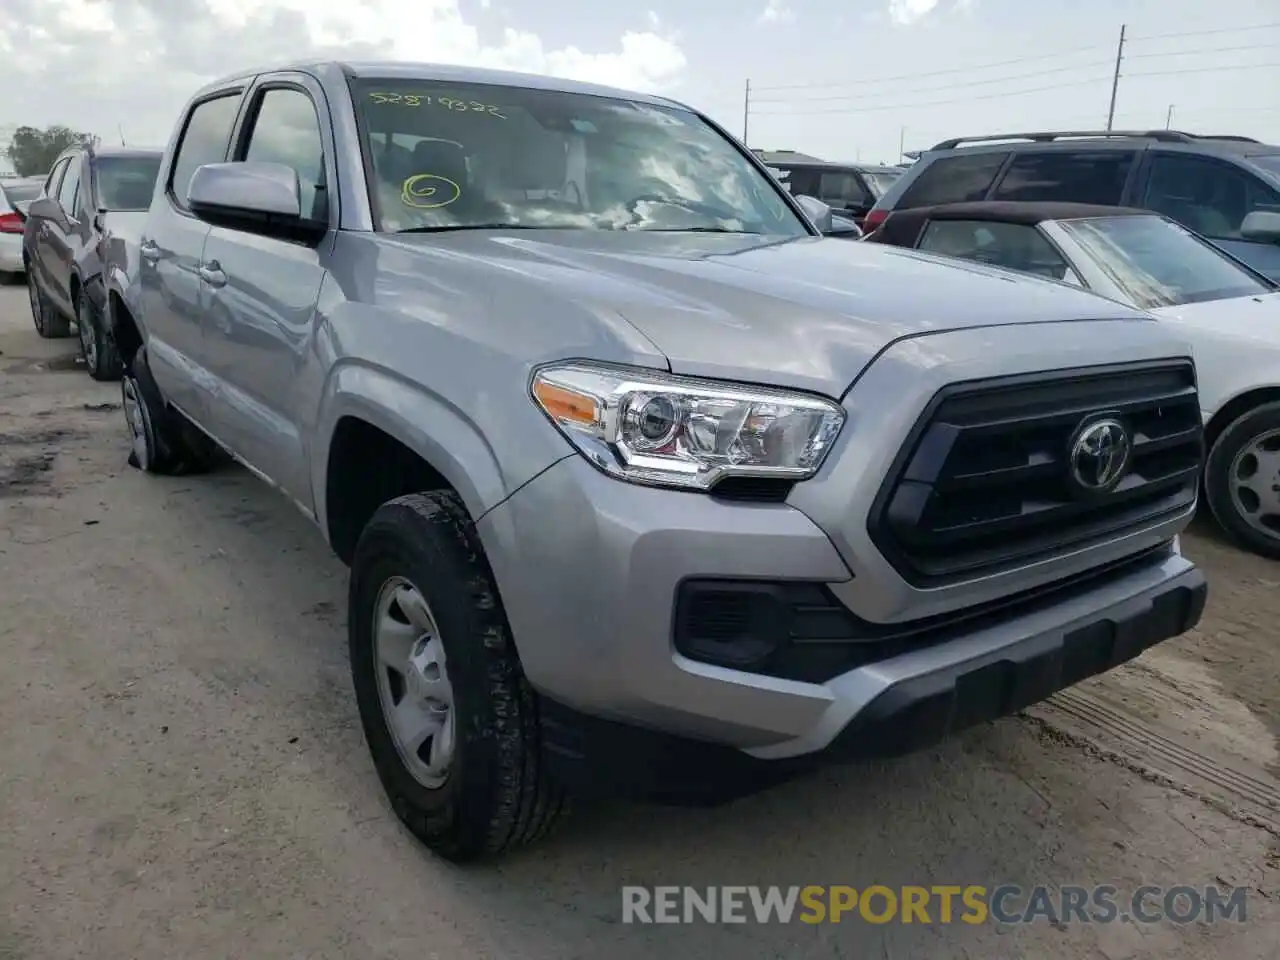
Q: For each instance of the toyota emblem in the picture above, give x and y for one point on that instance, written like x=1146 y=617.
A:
x=1100 y=455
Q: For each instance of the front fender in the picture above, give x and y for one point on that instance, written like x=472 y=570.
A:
x=426 y=424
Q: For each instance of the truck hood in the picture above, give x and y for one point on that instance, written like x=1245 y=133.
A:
x=810 y=312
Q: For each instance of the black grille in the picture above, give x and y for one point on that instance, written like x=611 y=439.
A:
x=984 y=483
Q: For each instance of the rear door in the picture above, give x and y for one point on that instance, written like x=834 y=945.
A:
x=171 y=249
x=1212 y=197
x=36 y=236
x=61 y=235
x=261 y=291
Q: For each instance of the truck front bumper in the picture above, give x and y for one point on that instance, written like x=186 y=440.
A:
x=590 y=569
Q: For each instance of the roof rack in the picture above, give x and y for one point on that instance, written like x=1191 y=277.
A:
x=1226 y=136
x=1166 y=136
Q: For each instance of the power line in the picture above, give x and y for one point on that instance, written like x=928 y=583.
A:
x=935 y=73
x=949 y=86
x=1197 y=53
x=1006 y=94
x=933 y=103
x=1205 y=33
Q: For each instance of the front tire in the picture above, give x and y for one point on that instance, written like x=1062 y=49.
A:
x=450 y=720
x=1242 y=479
x=100 y=356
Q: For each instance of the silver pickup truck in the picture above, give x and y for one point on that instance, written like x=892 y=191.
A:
x=645 y=485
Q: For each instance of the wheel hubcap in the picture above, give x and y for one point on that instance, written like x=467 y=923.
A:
x=135 y=418
x=1255 y=483
x=413 y=682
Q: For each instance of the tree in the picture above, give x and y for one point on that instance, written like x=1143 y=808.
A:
x=32 y=151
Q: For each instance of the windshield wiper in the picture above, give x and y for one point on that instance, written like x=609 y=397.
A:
x=450 y=227
x=752 y=233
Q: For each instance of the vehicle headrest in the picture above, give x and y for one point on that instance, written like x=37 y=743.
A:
x=441 y=158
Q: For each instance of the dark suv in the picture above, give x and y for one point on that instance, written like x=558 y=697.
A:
x=1207 y=183
x=62 y=241
x=844 y=187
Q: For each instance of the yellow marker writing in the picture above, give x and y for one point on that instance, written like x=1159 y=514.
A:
x=427 y=191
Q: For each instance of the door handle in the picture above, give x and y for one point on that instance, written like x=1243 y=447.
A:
x=150 y=251
x=211 y=273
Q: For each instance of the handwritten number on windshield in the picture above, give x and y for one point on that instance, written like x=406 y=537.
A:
x=447 y=103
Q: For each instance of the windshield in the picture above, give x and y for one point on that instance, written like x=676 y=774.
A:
x=1160 y=264
x=452 y=156
x=126 y=183
x=880 y=181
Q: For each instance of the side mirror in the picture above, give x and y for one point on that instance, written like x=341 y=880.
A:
x=254 y=197
x=844 y=227
x=1263 y=225
x=817 y=211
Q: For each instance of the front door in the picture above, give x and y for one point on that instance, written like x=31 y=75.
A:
x=171 y=251
x=261 y=293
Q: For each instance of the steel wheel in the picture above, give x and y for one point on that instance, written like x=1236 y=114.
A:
x=1254 y=477
x=87 y=329
x=413 y=682
x=137 y=420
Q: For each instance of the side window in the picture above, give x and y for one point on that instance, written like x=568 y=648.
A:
x=1210 y=198
x=954 y=179
x=782 y=176
x=842 y=190
x=1013 y=246
x=803 y=182
x=55 y=179
x=204 y=140
x=69 y=191
x=287 y=131
x=1062 y=175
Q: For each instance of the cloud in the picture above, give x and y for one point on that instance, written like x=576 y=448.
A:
x=91 y=64
x=907 y=12
x=776 y=11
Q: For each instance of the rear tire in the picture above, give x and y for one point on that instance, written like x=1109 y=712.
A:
x=160 y=440
x=100 y=355
x=1242 y=480
x=50 y=324
x=492 y=791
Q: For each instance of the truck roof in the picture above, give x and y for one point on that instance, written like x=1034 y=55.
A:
x=449 y=73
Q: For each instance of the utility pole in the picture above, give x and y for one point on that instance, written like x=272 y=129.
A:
x=1115 y=80
x=746 y=110
x=120 y=129
x=1168 y=117
x=902 y=142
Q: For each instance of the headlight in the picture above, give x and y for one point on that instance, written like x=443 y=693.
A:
x=654 y=428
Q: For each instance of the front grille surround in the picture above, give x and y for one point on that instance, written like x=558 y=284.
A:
x=981 y=485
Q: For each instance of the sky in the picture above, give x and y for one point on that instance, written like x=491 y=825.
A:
x=840 y=79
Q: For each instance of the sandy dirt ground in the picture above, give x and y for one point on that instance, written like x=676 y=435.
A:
x=182 y=773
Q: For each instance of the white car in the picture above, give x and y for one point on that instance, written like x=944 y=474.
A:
x=1229 y=313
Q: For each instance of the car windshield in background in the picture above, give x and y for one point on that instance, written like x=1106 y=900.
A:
x=1161 y=264
x=126 y=183
x=450 y=156
x=22 y=191
x=879 y=181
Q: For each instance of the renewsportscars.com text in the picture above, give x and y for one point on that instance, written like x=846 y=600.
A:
x=937 y=903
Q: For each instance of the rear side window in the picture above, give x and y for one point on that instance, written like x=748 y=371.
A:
x=69 y=192
x=55 y=179
x=204 y=140
x=1074 y=177
x=1013 y=246
x=954 y=179
x=841 y=189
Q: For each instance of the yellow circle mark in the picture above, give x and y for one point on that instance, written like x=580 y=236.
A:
x=426 y=191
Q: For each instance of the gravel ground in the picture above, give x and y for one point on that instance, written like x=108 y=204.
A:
x=184 y=774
